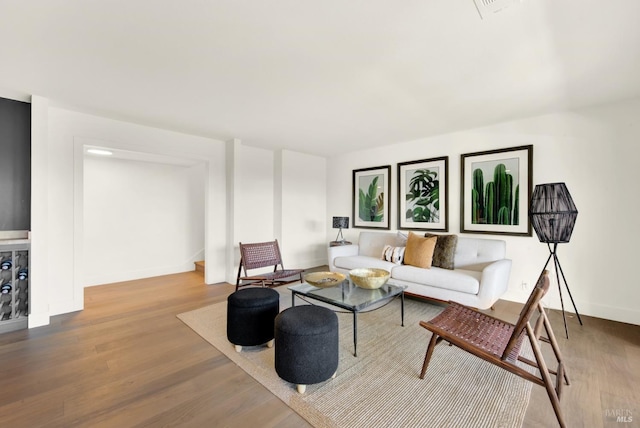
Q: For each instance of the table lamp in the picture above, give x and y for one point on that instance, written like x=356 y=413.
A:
x=340 y=222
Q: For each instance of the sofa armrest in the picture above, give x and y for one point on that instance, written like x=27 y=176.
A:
x=341 y=251
x=494 y=282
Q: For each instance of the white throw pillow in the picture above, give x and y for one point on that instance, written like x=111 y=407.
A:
x=393 y=254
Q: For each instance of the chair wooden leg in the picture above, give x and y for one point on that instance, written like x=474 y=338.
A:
x=427 y=356
x=539 y=324
x=546 y=377
x=559 y=376
x=238 y=277
x=556 y=349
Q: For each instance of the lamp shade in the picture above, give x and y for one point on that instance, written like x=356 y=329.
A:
x=341 y=222
x=553 y=213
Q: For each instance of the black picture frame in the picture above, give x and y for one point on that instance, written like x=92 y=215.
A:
x=495 y=191
x=371 y=197
x=423 y=196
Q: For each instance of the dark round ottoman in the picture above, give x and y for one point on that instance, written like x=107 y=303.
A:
x=306 y=345
x=250 y=316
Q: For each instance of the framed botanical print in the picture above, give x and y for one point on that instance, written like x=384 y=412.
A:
x=496 y=189
x=422 y=194
x=371 y=208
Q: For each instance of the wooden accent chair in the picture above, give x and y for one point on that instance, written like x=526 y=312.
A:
x=261 y=255
x=499 y=342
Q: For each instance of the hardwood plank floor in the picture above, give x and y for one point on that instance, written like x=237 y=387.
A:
x=127 y=361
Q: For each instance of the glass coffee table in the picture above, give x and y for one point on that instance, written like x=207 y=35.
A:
x=352 y=298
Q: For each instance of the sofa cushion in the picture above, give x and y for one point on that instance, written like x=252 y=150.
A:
x=419 y=251
x=401 y=239
x=465 y=281
x=393 y=254
x=445 y=251
x=355 y=262
x=371 y=243
x=476 y=253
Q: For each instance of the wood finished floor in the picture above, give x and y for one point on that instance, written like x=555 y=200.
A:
x=127 y=361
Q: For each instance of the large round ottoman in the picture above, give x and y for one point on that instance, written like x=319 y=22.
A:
x=250 y=316
x=306 y=345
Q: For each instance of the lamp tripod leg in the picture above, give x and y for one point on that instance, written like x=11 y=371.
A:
x=564 y=317
x=547 y=263
x=559 y=274
x=568 y=290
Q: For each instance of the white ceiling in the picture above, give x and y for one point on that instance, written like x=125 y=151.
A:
x=320 y=77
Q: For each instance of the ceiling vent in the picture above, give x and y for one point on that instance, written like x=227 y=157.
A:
x=487 y=8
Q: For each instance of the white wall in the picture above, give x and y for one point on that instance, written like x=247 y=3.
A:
x=141 y=219
x=254 y=190
x=251 y=203
x=594 y=151
x=58 y=224
x=39 y=266
x=303 y=221
x=281 y=196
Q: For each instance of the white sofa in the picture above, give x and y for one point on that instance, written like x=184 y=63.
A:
x=480 y=275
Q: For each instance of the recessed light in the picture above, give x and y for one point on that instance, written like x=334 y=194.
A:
x=99 y=152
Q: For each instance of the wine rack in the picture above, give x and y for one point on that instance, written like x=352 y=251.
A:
x=14 y=286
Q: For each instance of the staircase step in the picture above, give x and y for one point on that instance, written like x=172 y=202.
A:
x=199 y=266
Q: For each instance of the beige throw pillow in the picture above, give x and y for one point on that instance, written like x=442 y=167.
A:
x=419 y=251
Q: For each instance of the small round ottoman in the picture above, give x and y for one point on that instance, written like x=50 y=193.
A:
x=250 y=316
x=306 y=345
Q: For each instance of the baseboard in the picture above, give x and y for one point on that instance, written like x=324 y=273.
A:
x=314 y=264
x=613 y=313
x=137 y=274
x=39 y=319
x=64 y=307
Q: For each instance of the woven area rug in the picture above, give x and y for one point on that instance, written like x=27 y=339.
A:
x=381 y=387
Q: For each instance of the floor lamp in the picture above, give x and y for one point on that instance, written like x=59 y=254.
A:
x=553 y=215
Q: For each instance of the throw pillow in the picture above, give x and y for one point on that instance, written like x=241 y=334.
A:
x=393 y=254
x=419 y=251
x=445 y=250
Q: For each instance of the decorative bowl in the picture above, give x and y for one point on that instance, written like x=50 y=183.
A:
x=369 y=278
x=324 y=279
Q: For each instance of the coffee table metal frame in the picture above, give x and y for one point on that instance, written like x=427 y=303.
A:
x=352 y=298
